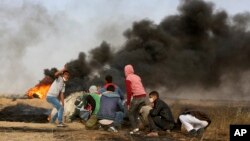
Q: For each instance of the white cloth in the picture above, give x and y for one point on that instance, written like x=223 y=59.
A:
x=57 y=86
x=106 y=121
x=93 y=89
x=190 y=122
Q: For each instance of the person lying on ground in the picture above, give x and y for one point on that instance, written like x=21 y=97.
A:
x=56 y=90
x=136 y=92
x=111 y=108
x=194 y=121
x=160 y=118
x=109 y=81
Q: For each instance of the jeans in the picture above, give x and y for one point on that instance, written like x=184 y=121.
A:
x=118 y=118
x=157 y=123
x=134 y=111
x=56 y=103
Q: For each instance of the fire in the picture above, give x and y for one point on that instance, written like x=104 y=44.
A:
x=41 y=89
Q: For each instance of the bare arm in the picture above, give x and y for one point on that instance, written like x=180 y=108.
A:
x=60 y=71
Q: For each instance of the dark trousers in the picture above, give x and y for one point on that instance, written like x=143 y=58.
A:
x=133 y=112
x=157 y=123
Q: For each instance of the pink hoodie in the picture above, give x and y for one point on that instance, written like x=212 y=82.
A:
x=135 y=83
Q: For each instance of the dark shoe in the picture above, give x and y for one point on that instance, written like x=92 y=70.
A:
x=119 y=127
x=200 y=132
x=192 y=133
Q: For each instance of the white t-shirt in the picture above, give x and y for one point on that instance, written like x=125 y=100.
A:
x=57 y=87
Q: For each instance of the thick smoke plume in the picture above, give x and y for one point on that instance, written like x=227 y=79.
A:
x=198 y=47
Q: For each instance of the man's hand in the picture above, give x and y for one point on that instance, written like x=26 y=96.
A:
x=62 y=98
x=128 y=106
x=152 y=105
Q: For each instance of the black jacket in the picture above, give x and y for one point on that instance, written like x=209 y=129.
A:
x=162 y=109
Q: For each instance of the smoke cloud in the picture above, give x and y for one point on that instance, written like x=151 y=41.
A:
x=198 y=51
x=199 y=48
x=20 y=29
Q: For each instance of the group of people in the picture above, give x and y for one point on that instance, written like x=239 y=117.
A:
x=106 y=107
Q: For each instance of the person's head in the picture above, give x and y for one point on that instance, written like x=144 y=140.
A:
x=153 y=96
x=93 y=89
x=128 y=69
x=108 y=79
x=111 y=88
x=65 y=75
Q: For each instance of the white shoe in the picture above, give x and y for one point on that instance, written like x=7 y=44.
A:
x=61 y=125
x=112 y=129
x=135 y=131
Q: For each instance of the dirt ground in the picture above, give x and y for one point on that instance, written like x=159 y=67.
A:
x=218 y=131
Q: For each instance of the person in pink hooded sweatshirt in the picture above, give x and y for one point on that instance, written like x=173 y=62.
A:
x=136 y=96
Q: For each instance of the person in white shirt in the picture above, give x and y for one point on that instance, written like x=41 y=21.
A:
x=55 y=93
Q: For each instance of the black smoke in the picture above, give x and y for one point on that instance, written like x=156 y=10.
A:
x=194 y=47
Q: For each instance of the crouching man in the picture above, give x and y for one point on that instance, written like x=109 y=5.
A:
x=56 y=91
x=194 y=121
x=160 y=117
x=111 y=109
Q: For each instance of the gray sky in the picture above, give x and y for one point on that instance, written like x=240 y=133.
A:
x=39 y=34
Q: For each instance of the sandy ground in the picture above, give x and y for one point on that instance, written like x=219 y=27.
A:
x=21 y=131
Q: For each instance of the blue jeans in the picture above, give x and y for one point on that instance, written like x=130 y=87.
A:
x=118 y=118
x=56 y=103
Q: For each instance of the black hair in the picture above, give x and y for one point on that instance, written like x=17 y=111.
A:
x=65 y=71
x=111 y=88
x=109 y=78
x=154 y=93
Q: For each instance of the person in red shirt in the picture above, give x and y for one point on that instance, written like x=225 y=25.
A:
x=136 y=96
x=108 y=82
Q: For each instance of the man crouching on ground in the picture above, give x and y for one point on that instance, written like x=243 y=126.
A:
x=56 y=91
x=160 y=117
x=111 y=108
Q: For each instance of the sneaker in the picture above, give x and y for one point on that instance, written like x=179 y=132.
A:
x=61 y=125
x=135 y=131
x=112 y=129
x=192 y=133
x=200 y=132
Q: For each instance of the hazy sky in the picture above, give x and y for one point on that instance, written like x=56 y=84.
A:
x=38 y=34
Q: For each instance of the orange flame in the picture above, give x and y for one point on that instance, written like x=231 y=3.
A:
x=41 y=89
